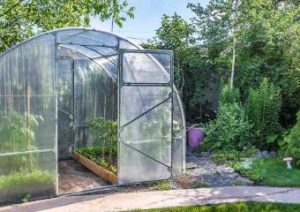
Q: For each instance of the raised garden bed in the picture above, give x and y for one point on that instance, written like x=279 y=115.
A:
x=96 y=168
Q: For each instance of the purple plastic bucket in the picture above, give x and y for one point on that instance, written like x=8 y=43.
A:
x=195 y=136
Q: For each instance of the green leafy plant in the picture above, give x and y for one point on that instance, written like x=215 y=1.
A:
x=104 y=134
x=20 y=184
x=230 y=130
x=95 y=154
x=104 y=143
x=17 y=133
x=229 y=95
x=164 y=185
x=232 y=156
x=290 y=145
x=262 y=109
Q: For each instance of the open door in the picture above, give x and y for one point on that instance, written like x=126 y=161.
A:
x=145 y=115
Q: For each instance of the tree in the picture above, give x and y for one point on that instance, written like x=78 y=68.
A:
x=192 y=72
x=267 y=44
x=176 y=34
x=20 y=19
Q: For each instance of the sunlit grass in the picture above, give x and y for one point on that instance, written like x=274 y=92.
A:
x=235 y=207
x=271 y=172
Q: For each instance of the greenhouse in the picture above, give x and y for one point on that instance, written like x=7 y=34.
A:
x=81 y=109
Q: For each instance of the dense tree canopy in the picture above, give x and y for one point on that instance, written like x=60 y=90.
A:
x=267 y=38
x=192 y=72
x=20 y=19
x=267 y=34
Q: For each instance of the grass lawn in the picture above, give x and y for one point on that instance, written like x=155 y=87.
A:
x=234 y=207
x=271 y=172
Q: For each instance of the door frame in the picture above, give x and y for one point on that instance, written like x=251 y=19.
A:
x=169 y=84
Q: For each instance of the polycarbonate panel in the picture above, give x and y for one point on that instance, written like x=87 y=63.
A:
x=65 y=108
x=94 y=96
x=138 y=99
x=90 y=53
x=28 y=120
x=110 y=64
x=145 y=118
x=146 y=68
x=179 y=131
x=137 y=167
x=88 y=37
x=151 y=133
x=63 y=35
x=126 y=45
x=104 y=51
x=27 y=176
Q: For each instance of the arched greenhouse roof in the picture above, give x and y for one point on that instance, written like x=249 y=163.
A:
x=100 y=47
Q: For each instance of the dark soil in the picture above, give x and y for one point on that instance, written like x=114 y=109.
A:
x=73 y=177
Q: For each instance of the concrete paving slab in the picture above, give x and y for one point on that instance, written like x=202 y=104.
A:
x=160 y=199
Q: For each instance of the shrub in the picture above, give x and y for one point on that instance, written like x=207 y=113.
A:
x=229 y=95
x=290 y=145
x=230 y=130
x=262 y=109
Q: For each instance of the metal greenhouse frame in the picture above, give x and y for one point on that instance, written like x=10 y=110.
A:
x=70 y=90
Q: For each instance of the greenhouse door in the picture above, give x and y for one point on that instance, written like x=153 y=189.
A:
x=145 y=115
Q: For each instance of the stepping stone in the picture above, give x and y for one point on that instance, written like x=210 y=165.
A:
x=191 y=165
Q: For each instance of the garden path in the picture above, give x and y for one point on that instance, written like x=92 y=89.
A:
x=160 y=199
x=202 y=171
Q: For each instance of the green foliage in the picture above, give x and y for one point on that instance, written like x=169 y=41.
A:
x=267 y=45
x=95 y=154
x=233 y=207
x=22 y=19
x=263 y=108
x=229 y=95
x=194 y=76
x=231 y=156
x=164 y=185
x=290 y=145
x=17 y=133
x=175 y=34
x=24 y=184
x=230 y=130
x=23 y=179
x=265 y=171
x=104 y=134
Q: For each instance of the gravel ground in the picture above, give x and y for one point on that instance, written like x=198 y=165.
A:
x=202 y=171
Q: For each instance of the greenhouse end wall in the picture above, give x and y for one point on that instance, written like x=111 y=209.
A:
x=50 y=87
x=28 y=120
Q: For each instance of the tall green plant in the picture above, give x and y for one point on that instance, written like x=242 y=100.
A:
x=230 y=130
x=17 y=133
x=104 y=134
x=263 y=108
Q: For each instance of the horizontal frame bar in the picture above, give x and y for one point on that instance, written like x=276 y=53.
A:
x=144 y=113
x=146 y=155
x=27 y=152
